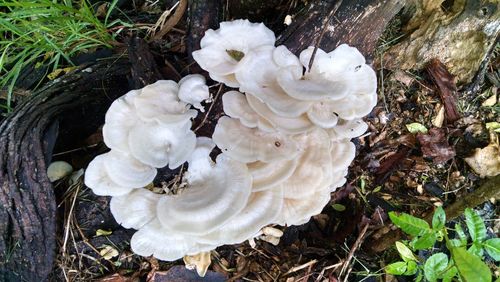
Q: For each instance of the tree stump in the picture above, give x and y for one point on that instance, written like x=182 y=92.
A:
x=75 y=105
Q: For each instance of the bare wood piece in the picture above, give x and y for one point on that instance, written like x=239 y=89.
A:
x=447 y=88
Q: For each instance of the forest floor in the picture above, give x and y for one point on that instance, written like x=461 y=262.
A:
x=410 y=160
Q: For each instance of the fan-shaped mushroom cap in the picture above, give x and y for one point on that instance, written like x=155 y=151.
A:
x=127 y=171
x=340 y=77
x=120 y=118
x=224 y=51
x=97 y=179
x=262 y=208
x=208 y=201
x=313 y=172
x=154 y=239
x=235 y=105
x=347 y=129
x=342 y=153
x=269 y=175
x=249 y=144
x=158 y=144
x=322 y=114
x=135 y=209
x=299 y=211
x=193 y=90
x=258 y=78
x=160 y=102
x=287 y=125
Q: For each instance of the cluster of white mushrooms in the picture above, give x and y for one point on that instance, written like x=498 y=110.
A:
x=285 y=143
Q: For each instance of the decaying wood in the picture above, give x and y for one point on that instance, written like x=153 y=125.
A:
x=27 y=202
x=447 y=88
x=358 y=24
x=202 y=15
x=144 y=68
x=460 y=34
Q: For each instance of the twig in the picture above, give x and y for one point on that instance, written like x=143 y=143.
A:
x=300 y=267
x=68 y=221
x=356 y=245
x=318 y=41
x=172 y=21
x=210 y=108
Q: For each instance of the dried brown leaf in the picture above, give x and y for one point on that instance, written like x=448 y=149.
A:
x=435 y=146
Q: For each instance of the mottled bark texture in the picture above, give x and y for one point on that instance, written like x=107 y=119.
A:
x=357 y=23
x=460 y=33
x=27 y=202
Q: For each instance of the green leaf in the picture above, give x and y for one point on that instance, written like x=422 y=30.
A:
x=435 y=266
x=411 y=268
x=456 y=243
x=405 y=252
x=425 y=241
x=397 y=268
x=476 y=249
x=475 y=224
x=470 y=267
x=450 y=274
x=416 y=127
x=492 y=247
x=461 y=234
x=410 y=224
x=101 y=232
x=338 y=207
x=439 y=219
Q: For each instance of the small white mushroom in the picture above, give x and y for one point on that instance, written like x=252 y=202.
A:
x=322 y=114
x=193 y=90
x=214 y=194
x=262 y=208
x=154 y=239
x=313 y=171
x=120 y=118
x=135 y=209
x=299 y=211
x=287 y=125
x=58 y=170
x=249 y=144
x=235 y=105
x=97 y=179
x=258 y=78
x=158 y=144
x=126 y=171
x=347 y=129
x=160 y=102
x=268 y=175
x=340 y=78
x=224 y=51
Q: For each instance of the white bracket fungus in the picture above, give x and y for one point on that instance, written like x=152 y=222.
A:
x=285 y=144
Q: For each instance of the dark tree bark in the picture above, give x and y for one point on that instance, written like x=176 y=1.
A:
x=357 y=23
x=27 y=202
